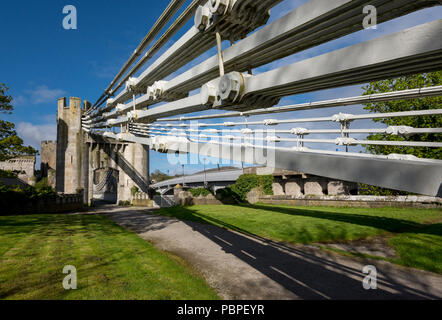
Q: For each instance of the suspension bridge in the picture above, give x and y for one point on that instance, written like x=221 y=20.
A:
x=222 y=108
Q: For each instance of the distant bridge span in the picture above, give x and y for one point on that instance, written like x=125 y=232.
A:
x=216 y=180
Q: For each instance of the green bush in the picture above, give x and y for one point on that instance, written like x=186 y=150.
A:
x=245 y=184
x=8 y=174
x=134 y=190
x=13 y=196
x=199 y=192
x=266 y=182
x=367 y=190
x=43 y=183
x=124 y=203
x=228 y=196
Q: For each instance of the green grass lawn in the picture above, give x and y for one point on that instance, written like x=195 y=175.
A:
x=416 y=234
x=111 y=263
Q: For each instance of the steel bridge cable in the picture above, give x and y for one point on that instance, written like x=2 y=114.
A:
x=169 y=12
x=330 y=9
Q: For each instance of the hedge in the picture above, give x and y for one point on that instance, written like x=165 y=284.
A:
x=12 y=195
x=199 y=192
x=247 y=182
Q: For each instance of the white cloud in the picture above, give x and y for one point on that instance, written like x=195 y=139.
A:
x=19 y=101
x=43 y=94
x=33 y=134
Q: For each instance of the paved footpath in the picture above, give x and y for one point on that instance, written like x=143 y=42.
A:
x=245 y=267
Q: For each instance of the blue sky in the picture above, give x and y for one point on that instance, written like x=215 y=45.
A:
x=40 y=61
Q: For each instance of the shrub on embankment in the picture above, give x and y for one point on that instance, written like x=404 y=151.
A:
x=200 y=192
x=29 y=200
x=246 y=183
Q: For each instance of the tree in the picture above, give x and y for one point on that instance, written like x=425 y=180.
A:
x=435 y=121
x=159 y=176
x=403 y=83
x=11 y=145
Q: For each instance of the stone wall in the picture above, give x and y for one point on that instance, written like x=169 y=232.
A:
x=293 y=183
x=142 y=199
x=185 y=198
x=49 y=161
x=62 y=203
x=309 y=185
x=355 y=201
x=25 y=166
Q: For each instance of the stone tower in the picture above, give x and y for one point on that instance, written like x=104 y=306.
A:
x=79 y=156
x=69 y=146
x=49 y=161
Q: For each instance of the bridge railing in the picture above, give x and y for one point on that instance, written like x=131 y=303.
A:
x=226 y=83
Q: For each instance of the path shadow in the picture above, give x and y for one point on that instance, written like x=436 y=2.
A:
x=139 y=222
x=307 y=273
x=383 y=223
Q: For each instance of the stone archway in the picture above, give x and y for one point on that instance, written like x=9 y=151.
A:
x=105 y=185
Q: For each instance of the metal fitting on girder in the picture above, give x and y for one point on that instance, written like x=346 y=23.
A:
x=270 y=122
x=131 y=85
x=208 y=94
x=202 y=18
x=219 y=6
x=111 y=122
x=246 y=131
x=150 y=93
x=155 y=92
x=342 y=117
x=399 y=130
x=346 y=142
x=120 y=108
x=110 y=101
x=299 y=131
x=231 y=86
x=132 y=115
x=108 y=135
x=159 y=88
x=273 y=139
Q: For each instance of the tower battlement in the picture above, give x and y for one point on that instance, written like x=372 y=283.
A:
x=69 y=144
x=47 y=142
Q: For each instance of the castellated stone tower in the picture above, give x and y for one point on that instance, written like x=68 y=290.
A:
x=81 y=158
x=69 y=146
x=49 y=161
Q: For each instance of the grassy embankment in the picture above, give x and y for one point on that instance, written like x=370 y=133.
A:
x=111 y=263
x=416 y=235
